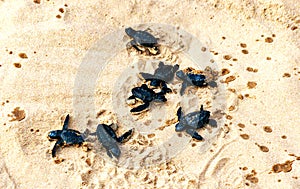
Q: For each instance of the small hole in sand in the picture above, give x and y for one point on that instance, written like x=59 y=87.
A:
x=243 y=45
x=286 y=75
x=17 y=65
x=61 y=10
x=244 y=51
x=23 y=55
x=269 y=40
x=267 y=129
x=230 y=79
x=245 y=136
x=225 y=71
x=227 y=57
x=151 y=135
x=251 y=84
x=241 y=125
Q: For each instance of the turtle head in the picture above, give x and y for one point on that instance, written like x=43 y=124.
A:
x=180 y=74
x=54 y=134
x=179 y=127
x=129 y=31
x=161 y=64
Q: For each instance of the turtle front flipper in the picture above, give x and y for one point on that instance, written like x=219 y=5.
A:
x=133 y=44
x=131 y=97
x=125 y=136
x=109 y=131
x=146 y=76
x=179 y=112
x=56 y=145
x=194 y=134
x=183 y=87
x=204 y=117
x=66 y=122
x=141 y=107
x=201 y=108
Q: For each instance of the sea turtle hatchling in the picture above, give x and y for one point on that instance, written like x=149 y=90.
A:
x=146 y=95
x=109 y=140
x=162 y=75
x=142 y=41
x=192 y=121
x=190 y=78
x=65 y=136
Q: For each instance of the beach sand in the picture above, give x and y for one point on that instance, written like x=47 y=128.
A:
x=61 y=57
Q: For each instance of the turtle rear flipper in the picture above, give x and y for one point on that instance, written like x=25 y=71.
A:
x=56 y=145
x=141 y=107
x=179 y=113
x=194 y=134
x=125 y=136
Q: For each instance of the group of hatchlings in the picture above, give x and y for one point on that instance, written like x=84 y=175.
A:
x=143 y=41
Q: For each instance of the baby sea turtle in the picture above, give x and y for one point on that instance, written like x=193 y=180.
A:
x=109 y=140
x=190 y=79
x=192 y=121
x=65 y=136
x=142 y=40
x=162 y=75
x=146 y=95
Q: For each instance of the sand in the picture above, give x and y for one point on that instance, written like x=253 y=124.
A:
x=69 y=57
